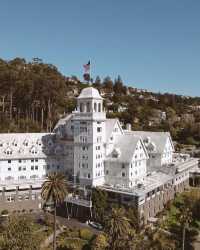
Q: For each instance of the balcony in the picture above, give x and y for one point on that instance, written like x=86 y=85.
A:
x=77 y=200
x=90 y=116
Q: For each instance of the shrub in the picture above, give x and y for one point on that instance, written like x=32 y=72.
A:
x=4 y=212
x=86 y=234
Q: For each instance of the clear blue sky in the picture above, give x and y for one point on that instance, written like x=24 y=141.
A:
x=153 y=44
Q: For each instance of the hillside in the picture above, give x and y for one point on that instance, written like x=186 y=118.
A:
x=34 y=95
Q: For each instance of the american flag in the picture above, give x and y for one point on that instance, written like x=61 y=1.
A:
x=86 y=67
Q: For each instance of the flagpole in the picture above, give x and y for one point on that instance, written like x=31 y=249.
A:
x=90 y=74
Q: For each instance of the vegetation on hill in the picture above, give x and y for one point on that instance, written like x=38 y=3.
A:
x=34 y=95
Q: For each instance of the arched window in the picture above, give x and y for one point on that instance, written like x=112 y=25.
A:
x=95 y=107
x=99 y=107
x=81 y=107
x=88 y=107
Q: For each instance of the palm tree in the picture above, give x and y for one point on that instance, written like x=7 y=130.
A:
x=117 y=227
x=54 y=189
x=185 y=220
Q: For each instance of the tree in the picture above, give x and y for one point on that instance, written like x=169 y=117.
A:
x=97 y=83
x=54 y=189
x=18 y=234
x=181 y=220
x=185 y=218
x=117 y=227
x=100 y=242
x=100 y=204
x=133 y=216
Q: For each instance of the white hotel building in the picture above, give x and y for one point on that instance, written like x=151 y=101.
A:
x=138 y=167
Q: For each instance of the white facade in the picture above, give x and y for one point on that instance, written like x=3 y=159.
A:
x=86 y=146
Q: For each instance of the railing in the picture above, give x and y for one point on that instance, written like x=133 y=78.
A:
x=79 y=201
x=94 y=115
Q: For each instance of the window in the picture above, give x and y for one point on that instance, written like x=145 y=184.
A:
x=26 y=197
x=123 y=174
x=36 y=167
x=24 y=168
x=123 y=165
x=95 y=107
x=8 y=178
x=88 y=176
x=99 y=107
x=81 y=107
x=20 y=198
x=107 y=172
x=34 y=176
x=9 y=161
x=9 y=168
x=19 y=168
x=10 y=199
x=32 y=167
x=99 y=129
x=19 y=160
x=22 y=177
x=88 y=107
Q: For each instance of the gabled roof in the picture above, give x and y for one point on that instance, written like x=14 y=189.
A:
x=63 y=121
x=21 y=150
x=110 y=124
x=158 y=138
x=126 y=144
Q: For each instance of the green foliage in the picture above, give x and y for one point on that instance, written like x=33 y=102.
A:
x=18 y=234
x=4 y=212
x=117 y=227
x=54 y=188
x=183 y=217
x=31 y=91
x=100 y=204
x=86 y=234
x=100 y=242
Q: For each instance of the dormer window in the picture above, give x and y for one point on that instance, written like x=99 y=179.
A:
x=58 y=150
x=116 y=153
x=33 y=150
x=14 y=143
x=25 y=143
x=21 y=150
x=39 y=143
x=8 y=151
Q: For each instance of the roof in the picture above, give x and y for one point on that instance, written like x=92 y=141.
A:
x=22 y=145
x=158 y=138
x=150 y=183
x=62 y=121
x=110 y=124
x=89 y=92
x=126 y=145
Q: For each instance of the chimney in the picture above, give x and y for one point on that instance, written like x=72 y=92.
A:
x=128 y=126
